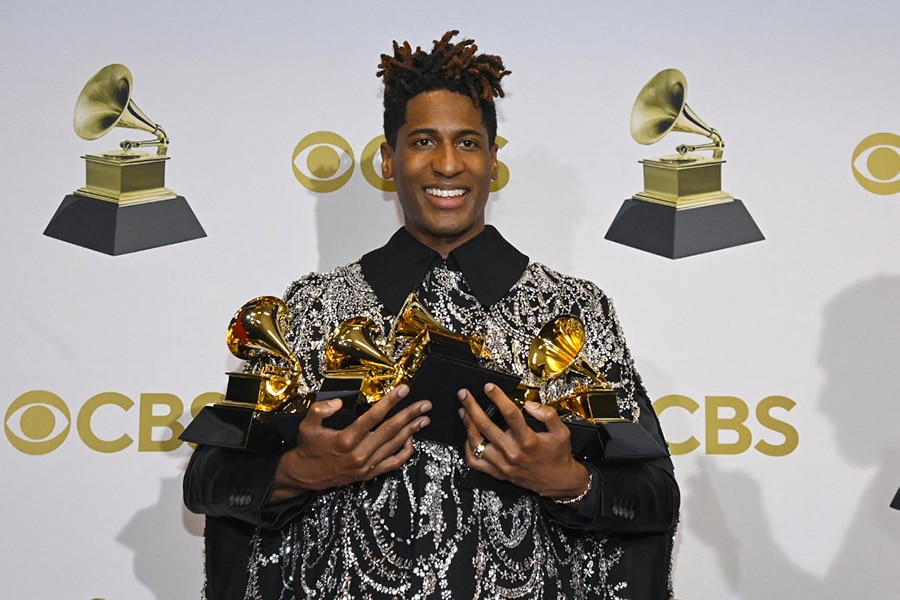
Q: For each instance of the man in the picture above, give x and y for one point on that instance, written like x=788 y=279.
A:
x=372 y=511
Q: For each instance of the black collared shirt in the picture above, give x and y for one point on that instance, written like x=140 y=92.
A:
x=490 y=264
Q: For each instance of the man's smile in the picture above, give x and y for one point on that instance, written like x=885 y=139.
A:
x=441 y=193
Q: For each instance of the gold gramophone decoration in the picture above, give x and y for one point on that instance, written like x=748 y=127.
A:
x=124 y=205
x=682 y=209
x=591 y=410
x=415 y=321
x=558 y=351
x=434 y=361
x=263 y=406
x=257 y=332
x=356 y=358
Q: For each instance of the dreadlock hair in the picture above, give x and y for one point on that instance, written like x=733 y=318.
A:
x=449 y=66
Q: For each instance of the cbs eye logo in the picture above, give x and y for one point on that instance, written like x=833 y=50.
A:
x=876 y=163
x=37 y=423
x=323 y=162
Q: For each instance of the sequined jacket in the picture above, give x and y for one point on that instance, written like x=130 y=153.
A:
x=418 y=532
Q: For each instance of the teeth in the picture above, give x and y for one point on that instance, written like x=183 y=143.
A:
x=444 y=193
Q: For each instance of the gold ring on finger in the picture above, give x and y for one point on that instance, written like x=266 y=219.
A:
x=478 y=451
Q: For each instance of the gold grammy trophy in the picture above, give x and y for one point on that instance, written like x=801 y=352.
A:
x=434 y=361
x=124 y=205
x=682 y=209
x=557 y=351
x=591 y=410
x=262 y=407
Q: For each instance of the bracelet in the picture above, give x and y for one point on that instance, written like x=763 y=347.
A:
x=580 y=496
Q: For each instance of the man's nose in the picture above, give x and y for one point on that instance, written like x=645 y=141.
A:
x=447 y=161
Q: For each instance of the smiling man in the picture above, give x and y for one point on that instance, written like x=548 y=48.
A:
x=372 y=511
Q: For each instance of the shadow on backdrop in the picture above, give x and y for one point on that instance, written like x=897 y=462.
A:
x=859 y=353
x=170 y=572
x=352 y=221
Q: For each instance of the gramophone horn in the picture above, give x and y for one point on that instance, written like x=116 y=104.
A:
x=414 y=318
x=354 y=345
x=259 y=327
x=105 y=103
x=661 y=107
x=557 y=349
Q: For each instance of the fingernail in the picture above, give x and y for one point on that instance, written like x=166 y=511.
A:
x=462 y=413
x=461 y=394
x=425 y=407
x=531 y=405
x=422 y=424
x=488 y=387
x=335 y=403
x=402 y=390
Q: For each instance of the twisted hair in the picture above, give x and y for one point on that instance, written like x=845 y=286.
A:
x=449 y=66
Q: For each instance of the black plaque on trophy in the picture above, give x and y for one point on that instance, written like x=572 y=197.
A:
x=447 y=369
x=234 y=426
x=439 y=380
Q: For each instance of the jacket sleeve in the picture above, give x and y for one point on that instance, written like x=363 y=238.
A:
x=627 y=498
x=222 y=482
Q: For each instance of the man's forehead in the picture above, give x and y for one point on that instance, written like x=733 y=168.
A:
x=444 y=111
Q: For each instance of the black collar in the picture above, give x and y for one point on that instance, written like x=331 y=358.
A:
x=490 y=264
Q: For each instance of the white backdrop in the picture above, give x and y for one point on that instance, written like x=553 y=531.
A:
x=121 y=346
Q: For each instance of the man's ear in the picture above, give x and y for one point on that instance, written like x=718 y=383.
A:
x=495 y=167
x=387 y=160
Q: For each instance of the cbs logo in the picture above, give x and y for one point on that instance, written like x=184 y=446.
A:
x=323 y=162
x=876 y=163
x=38 y=422
x=729 y=415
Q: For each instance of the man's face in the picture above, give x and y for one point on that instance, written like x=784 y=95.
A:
x=443 y=167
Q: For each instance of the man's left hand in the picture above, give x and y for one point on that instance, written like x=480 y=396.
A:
x=538 y=461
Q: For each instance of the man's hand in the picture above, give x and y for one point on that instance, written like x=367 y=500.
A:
x=541 y=462
x=326 y=458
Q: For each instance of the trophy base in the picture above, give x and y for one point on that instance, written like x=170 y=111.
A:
x=119 y=229
x=238 y=427
x=672 y=233
x=626 y=441
x=438 y=379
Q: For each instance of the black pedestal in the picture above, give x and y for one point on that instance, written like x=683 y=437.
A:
x=662 y=230
x=114 y=229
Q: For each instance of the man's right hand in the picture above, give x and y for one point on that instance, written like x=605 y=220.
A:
x=327 y=458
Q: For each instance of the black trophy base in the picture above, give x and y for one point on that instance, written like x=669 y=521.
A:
x=239 y=427
x=119 y=229
x=438 y=379
x=672 y=233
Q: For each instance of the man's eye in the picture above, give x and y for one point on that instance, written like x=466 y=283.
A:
x=468 y=144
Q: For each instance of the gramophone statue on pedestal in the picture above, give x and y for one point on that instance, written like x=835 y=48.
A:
x=682 y=209
x=124 y=205
x=262 y=407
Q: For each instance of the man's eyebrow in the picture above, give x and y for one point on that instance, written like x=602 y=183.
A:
x=434 y=132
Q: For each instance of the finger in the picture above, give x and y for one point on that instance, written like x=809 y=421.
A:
x=319 y=411
x=396 y=450
x=392 y=461
x=376 y=414
x=481 y=461
x=511 y=413
x=478 y=425
x=546 y=415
